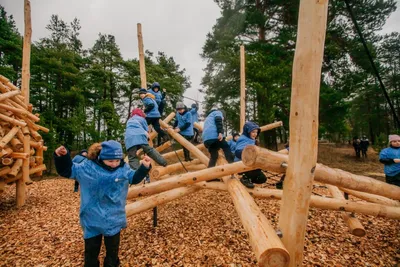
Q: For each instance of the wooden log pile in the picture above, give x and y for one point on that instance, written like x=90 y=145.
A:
x=21 y=145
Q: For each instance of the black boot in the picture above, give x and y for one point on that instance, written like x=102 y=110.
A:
x=247 y=182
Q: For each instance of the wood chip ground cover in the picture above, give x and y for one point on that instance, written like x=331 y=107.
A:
x=201 y=229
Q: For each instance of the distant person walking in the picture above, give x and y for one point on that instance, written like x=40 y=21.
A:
x=364 y=144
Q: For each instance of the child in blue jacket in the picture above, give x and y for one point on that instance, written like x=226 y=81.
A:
x=195 y=118
x=151 y=111
x=213 y=136
x=104 y=179
x=78 y=159
x=232 y=142
x=136 y=137
x=159 y=96
x=391 y=158
x=249 y=135
x=184 y=126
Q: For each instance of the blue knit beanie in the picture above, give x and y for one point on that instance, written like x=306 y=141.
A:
x=111 y=150
x=142 y=91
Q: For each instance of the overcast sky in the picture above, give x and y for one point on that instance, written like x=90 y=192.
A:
x=176 y=27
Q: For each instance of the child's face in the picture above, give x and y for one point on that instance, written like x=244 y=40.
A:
x=253 y=134
x=155 y=89
x=142 y=96
x=84 y=154
x=236 y=138
x=395 y=143
x=113 y=163
x=181 y=110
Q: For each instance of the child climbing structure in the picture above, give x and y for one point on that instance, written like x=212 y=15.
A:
x=283 y=246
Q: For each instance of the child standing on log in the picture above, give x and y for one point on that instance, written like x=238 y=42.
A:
x=391 y=158
x=160 y=96
x=195 y=118
x=104 y=179
x=213 y=136
x=78 y=159
x=151 y=111
x=136 y=137
x=249 y=135
x=184 y=126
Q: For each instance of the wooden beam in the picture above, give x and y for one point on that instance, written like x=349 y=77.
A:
x=142 y=65
x=8 y=95
x=352 y=222
x=7 y=138
x=185 y=143
x=261 y=158
x=25 y=165
x=242 y=88
x=372 y=198
x=186 y=179
x=154 y=134
x=26 y=53
x=157 y=172
x=20 y=192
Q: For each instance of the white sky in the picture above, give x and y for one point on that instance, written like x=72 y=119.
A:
x=176 y=27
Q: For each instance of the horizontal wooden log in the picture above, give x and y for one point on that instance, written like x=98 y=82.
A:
x=197 y=167
x=20 y=155
x=261 y=158
x=158 y=199
x=186 y=179
x=157 y=172
x=36 y=145
x=352 y=222
x=372 y=198
x=12 y=121
x=43 y=129
x=267 y=127
x=5 y=170
x=19 y=111
x=6 y=152
x=185 y=143
x=8 y=95
x=16 y=168
x=35 y=135
x=32 y=171
x=160 y=149
x=365 y=208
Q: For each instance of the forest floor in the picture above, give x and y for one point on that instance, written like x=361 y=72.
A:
x=202 y=229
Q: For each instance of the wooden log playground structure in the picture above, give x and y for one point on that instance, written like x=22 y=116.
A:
x=283 y=246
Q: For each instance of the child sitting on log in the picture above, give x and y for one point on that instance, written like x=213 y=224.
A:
x=184 y=126
x=136 y=137
x=104 y=179
x=151 y=111
x=232 y=142
x=213 y=136
x=82 y=155
x=391 y=158
x=249 y=135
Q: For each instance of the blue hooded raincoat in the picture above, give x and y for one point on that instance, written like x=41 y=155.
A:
x=245 y=140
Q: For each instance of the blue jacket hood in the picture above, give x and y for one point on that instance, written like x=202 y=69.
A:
x=249 y=127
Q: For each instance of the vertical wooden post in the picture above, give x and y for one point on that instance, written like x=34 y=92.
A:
x=242 y=88
x=20 y=192
x=26 y=53
x=303 y=126
x=141 y=57
x=25 y=166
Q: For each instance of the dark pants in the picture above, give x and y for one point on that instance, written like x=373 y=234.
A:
x=156 y=125
x=394 y=180
x=76 y=186
x=196 y=137
x=186 y=152
x=134 y=161
x=92 y=251
x=161 y=108
x=213 y=146
x=256 y=176
x=357 y=150
x=364 y=153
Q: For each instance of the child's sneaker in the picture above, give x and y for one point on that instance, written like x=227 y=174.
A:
x=247 y=182
x=147 y=179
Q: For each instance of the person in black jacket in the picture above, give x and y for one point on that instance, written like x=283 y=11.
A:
x=364 y=144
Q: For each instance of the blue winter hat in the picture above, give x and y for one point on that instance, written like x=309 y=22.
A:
x=142 y=91
x=156 y=85
x=111 y=150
